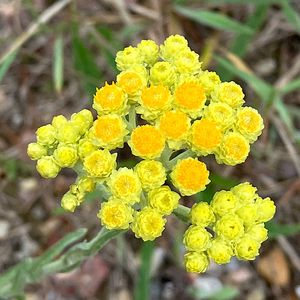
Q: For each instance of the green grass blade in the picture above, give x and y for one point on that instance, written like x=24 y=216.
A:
x=58 y=64
x=276 y=229
x=291 y=15
x=212 y=19
x=290 y=87
x=254 y=2
x=142 y=291
x=6 y=64
x=283 y=112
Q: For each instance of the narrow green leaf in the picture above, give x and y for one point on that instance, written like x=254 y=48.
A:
x=276 y=229
x=142 y=290
x=254 y=2
x=212 y=19
x=6 y=64
x=283 y=112
x=290 y=87
x=58 y=64
x=223 y=182
x=291 y=14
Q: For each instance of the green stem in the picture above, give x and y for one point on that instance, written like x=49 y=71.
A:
x=165 y=157
x=182 y=212
x=132 y=118
x=185 y=154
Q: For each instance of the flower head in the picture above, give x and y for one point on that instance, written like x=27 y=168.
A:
x=36 y=151
x=149 y=51
x=196 y=262
x=247 y=248
x=220 y=251
x=128 y=57
x=162 y=73
x=202 y=214
x=229 y=227
x=47 y=167
x=65 y=156
x=196 y=238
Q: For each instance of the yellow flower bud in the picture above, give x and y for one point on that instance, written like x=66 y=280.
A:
x=190 y=98
x=149 y=51
x=266 y=209
x=100 y=163
x=209 y=80
x=163 y=199
x=247 y=248
x=224 y=202
x=245 y=192
x=128 y=57
x=248 y=214
x=110 y=99
x=148 y=224
x=197 y=238
x=65 y=156
x=46 y=135
x=230 y=93
x=69 y=202
x=47 y=167
x=229 y=227
x=220 y=251
x=115 y=214
x=173 y=46
x=202 y=214
x=187 y=62
x=152 y=174
x=58 y=122
x=83 y=120
x=68 y=134
x=125 y=185
x=196 y=262
x=257 y=232
x=36 y=151
x=85 y=148
x=162 y=73
x=190 y=176
x=205 y=137
x=86 y=184
x=146 y=142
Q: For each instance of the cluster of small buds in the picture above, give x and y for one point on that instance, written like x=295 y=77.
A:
x=231 y=225
x=169 y=112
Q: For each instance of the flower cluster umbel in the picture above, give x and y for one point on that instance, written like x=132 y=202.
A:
x=170 y=112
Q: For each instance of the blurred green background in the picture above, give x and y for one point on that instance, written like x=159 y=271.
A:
x=53 y=54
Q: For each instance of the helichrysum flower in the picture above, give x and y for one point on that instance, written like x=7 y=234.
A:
x=152 y=174
x=224 y=202
x=149 y=51
x=115 y=214
x=190 y=98
x=196 y=262
x=128 y=57
x=245 y=192
x=163 y=199
x=58 y=122
x=220 y=251
x=68 y=134
x=162 y=73
x=197 y=238
x=109 y=131
x=46 y=135
x=173 y=46
x=187 y=62
x=110 y=99
x=146 y=142
x=36 y=151
x=47 y=167
x=230 y=227
x=85 y=148
x=233 y=150
x=247 y=248
x=202 y=214
x=249 y=123
x=148 y=224
x=175 y=127
x=125 y=185
x=205 y=137
x=265 y=209
x=83 y=120
x=65 y=155
x=69 y=202
x=100 y=163
x=258 y=232
x=248 y=213
x=190 y=176
x=209 y=81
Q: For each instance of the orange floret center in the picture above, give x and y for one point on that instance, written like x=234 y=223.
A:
x=155 y=97
x=108 y=129
x=130 y=82
x=110 y=97
x=190 y=95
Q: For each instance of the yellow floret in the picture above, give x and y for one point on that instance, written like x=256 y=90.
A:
x=187 y=62
x=258 y=232
x=69 y=202
x=190 y=176
x=247 y=248
x=266 y=209
x=190 y=98
x=234 y=149
x=146 y=142
x=230 y=227
x=196 y=262
x=230 y=93
x=173 y=46
x=68 y=134
x=149 y=51
x=65 y=156
x=36 y=151
x=85 y=148
x=202 y=214
x=197 y=238
x=249 y=123
x=100 y=163
x=47 y=167
x=58 y=122
x=163 y=199
x=209 y=81
x=125 y=185
x=46 y=135
x=115 y=214
x=162 y=73
x=224 y=202
x=83 y=120
x=109 y=131
x=148 y=224
x=175 y=126
x=205 y=137
x=220 y=251
x=221 y=113
x=245 y=191
x=152 y=174
x=248 y=213
x=110 y=99
x=154 y=101
x=128 y=57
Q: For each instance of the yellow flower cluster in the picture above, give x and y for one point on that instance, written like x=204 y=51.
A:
x=169 y=112
x=232 y=224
